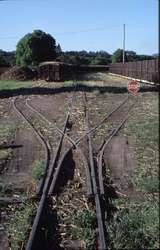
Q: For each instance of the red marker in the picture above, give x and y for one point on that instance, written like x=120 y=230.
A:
x=133 y=87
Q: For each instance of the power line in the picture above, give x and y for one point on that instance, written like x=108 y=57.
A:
x=87 y=30
x=66 y=33
x=124 y=38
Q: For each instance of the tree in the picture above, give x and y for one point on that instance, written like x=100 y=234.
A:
x=3 y=62
x=8 y=56
x=145 y=57
x=131 y=56
x=35 y=47
x=117 y=56
x=58 y=49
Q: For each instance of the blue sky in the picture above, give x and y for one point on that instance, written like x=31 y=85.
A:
x=83 y=24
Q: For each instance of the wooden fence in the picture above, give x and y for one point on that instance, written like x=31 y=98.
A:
x=144 y=70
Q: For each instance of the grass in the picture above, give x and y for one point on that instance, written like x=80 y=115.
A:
x=6 y=131
x=4 y=154
x=143 y=127
x=104 y=79
x=135 y=226
x=21 y=225
x=92 y=79
x=38 y=170
x=5 y=189
x=136 y=223
x=83 y=225
x=10 y=84
x=149 y=184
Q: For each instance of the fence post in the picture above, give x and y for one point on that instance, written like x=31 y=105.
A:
x=147 y=71
x=141 y=72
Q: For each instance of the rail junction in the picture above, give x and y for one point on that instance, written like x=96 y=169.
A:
x=55 y=162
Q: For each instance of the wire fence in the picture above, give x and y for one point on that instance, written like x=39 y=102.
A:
x=144 y=70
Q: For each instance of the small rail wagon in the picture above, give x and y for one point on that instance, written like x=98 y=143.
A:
x=56 y=71
x=60 y=71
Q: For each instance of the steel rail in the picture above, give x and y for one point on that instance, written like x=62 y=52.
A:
x=51 y=123
x=103 y=146
x=100 y=220
x=74 y=145
x=50 y=184
x=102 y=121
x=45 y=191
x=40 y=138
x=46 y=188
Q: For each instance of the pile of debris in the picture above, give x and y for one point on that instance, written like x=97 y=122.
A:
x=20 y=73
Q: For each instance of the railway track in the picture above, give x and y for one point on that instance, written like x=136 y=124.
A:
x=96 y=169
x=93 y=167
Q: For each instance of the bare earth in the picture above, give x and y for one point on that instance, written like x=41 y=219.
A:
x=119 y=155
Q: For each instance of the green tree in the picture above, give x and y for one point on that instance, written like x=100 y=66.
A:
x=58 y=49
x=131 y=56
x=117 y=56
x=3 y=62
x=145 y=57
x=35 y=47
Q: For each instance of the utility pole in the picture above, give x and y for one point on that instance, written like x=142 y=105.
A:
x=159 y=32
x=124 y=40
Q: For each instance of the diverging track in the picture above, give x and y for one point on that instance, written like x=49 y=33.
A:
x=92 y=162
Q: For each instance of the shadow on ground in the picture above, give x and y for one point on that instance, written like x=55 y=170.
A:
x=48 y=236
x=80 y=87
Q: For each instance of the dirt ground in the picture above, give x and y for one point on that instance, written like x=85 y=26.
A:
x=119 y=155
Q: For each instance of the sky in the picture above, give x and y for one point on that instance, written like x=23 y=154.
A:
x=90 y=25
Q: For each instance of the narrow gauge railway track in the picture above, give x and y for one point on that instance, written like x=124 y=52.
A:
x=39 y=136
x=47 y=186
x=96 y=167
x=93 y=173
x=51 y=167
x=74 y=143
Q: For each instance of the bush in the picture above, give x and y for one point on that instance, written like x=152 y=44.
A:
x=21 y=225
x=38 y=171
x=34 y=48
x=84 y=224
x=136 y=227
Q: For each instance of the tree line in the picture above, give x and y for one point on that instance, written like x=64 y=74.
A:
x=39 y=46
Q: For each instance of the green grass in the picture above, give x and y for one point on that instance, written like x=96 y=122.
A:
x=10 y=84
x=104 y=79
x=135 y=226
x=5 y=154
x=83 y=227
x=6 y=130
x=20 y=227
x=142 y=128
x=38 y=170
x=149 y=184
x=5 y=189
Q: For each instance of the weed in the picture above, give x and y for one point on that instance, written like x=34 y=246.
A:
x=21 y=225
x=149 y=184
x=5 y=132
x=10 y=84
x=5 y=153
x=84 y=225
x=38 y=170
x=143 y=127
x=135 y=227
x=5 y=189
